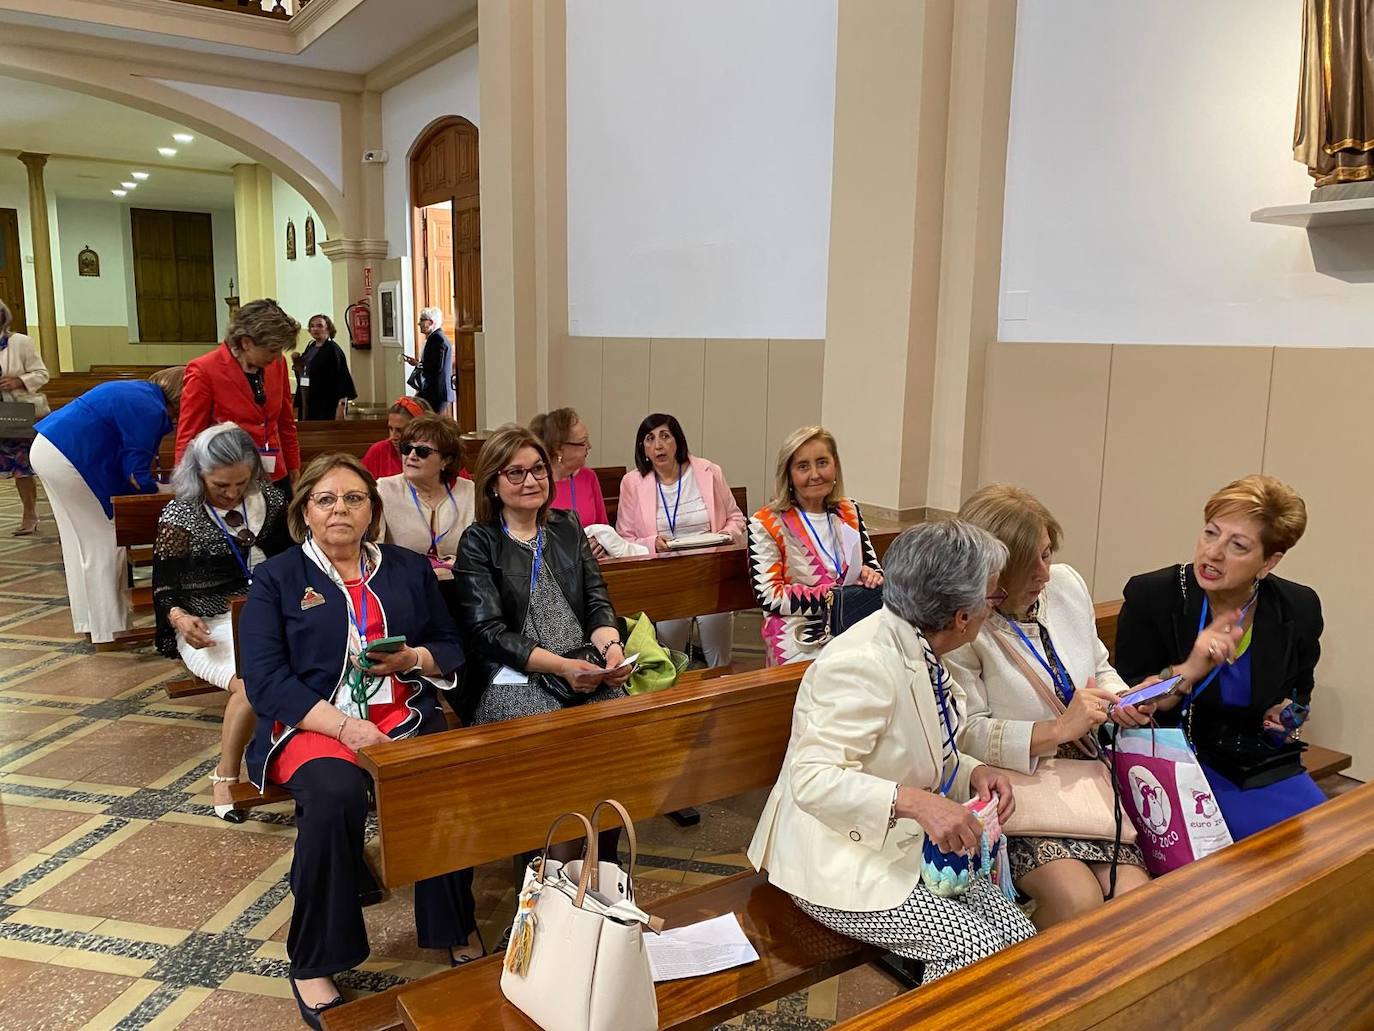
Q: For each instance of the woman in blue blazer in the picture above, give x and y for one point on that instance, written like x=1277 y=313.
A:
x=320 y=696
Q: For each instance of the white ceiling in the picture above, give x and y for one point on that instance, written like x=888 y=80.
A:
x=49 y=120
x=375 y=32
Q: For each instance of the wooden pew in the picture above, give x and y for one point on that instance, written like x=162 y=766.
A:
x=353 y=436
x=1273 y=932
x=483 y=793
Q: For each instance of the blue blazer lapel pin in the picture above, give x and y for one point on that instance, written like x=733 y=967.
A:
x=311 y=598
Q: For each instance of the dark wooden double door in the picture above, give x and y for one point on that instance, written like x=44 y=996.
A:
x=448 y=261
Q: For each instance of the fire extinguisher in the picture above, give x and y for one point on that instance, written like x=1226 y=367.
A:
x=358 y=318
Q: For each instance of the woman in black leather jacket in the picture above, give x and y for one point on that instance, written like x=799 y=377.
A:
x=537 y=624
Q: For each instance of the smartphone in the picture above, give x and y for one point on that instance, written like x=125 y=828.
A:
x=1149 y=694
x=386 y=645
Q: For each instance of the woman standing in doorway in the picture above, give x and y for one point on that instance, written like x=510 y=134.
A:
x=22 y=375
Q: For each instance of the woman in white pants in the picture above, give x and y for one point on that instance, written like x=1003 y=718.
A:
x=96 y=447
x=226 y=518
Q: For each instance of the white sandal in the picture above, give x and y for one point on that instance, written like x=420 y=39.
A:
x=227 y=813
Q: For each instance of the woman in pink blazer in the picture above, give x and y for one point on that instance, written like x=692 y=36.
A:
x=670 y=493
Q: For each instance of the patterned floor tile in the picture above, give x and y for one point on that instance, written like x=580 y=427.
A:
x=24 y=830
x=223 y=1010
x=54 y=998
x=94 y=676
x=124 y=753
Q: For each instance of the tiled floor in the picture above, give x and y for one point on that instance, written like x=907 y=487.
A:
x=125 y=904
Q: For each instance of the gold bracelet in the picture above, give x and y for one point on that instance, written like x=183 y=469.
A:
x=338 y=734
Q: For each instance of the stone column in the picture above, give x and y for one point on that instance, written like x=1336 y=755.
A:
x=921 y=101
x=42 y=261
x=254 y=232
x=350 y=258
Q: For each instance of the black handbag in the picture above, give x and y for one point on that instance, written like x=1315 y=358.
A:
x=851 y=604
x=559 y=688
x=416 y=379
x=1247 y=758
x=17 y=419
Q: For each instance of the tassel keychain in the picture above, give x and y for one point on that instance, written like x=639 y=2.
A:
x=521 y=947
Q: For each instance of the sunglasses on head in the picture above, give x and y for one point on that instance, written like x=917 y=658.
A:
x=421 y=451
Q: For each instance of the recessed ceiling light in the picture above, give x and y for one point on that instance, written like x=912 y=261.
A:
x=120 y=193
x=183 y=137
x=167 y=152
x=129 y=186
x=140 y=176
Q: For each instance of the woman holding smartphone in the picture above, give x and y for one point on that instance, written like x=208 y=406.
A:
x=537 y=622
x=344 y=642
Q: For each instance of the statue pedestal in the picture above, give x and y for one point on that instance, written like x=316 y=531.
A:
x=1322 y=214
x=1342 y=191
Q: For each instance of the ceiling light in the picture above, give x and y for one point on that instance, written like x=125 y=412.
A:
x=129 y=186
x=183 y=137
x=120 y=193
x=167 y=152
x=140 y=176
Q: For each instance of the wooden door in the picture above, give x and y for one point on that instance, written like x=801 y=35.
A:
x=438 y=268
x=444 y=168
x=12 y=270
x=174 y=275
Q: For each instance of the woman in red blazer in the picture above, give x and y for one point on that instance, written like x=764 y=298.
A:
x=244 y=381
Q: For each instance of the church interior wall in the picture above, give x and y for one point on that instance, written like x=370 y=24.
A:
x=1142 y=136
x=305 y=286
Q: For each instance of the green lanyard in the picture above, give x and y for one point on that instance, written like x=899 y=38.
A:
x=362 y=688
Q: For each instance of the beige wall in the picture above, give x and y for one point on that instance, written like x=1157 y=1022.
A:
x=1125 y=443
x=736 y=399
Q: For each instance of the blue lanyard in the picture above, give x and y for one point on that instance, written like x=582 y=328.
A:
x=1216 y=670
x=835 y=558
x=433 y=540
x=1059 y=676
x=232 y=542
x=360 y=622
x=671 y=517
x=948 y=723
x=538 y=552
x=572 y=488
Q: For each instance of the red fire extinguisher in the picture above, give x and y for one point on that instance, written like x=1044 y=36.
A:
x=358 y=318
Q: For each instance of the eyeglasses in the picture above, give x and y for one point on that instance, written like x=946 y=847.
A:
x=353 y=500
x=516 y=475
x=420 y=451
x=997 y=597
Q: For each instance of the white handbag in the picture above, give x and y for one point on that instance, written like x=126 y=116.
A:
x=577 y=960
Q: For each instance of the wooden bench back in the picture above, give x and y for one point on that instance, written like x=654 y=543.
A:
x=353 y=436
x=1273 y=931
x=470 y=796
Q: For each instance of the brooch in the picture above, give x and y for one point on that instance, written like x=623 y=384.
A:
x=311 y=598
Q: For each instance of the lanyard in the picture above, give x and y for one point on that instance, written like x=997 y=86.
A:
x=233 y=543
x=538 y=552
x=671 y=517
x=433 y=540
x=572 y=488
x=1059 y=676
x=948 y=723
x=834 y=558
x=1216 y=670
x=362 y=688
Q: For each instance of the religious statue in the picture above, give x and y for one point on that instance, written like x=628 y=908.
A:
x=1334 y=133
x=309 y=236
x=290 y=240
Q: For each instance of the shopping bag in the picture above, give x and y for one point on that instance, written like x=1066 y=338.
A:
x=1167 y=797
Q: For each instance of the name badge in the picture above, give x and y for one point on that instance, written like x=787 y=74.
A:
x=269 y=461
x=304 y=381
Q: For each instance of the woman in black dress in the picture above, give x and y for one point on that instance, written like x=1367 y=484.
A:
x=323 y=381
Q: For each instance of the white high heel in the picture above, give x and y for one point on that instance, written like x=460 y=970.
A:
x=227 y=813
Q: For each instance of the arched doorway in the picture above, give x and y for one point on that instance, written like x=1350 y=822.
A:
x=447 y=266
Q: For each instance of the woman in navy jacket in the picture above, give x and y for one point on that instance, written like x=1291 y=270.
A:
x=309 y=612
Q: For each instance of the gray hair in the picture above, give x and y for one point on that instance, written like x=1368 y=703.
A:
x=5 y=316
x=215 y=448
x=435 y=315
x=937 y=569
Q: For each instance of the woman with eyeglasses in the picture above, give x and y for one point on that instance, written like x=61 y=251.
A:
x=428 y=506
x=225 y=519
x=672 y=493
x=575 y=484
x=384 y=457
x=537 y=622
x=244 y=381
x=344 y=642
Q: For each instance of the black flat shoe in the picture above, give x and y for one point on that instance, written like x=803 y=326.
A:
x=311 y=1014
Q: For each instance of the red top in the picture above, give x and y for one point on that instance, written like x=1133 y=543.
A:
x=216 y=390
x=591 y=506
x=307 y=744
x=382 y=459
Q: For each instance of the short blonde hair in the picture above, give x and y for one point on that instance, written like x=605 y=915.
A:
x=312 y=474
x=499 y=449
x=783 y=495
x=1277 y=507
x=170 y=380
x=1015 y=517
x=264 y=322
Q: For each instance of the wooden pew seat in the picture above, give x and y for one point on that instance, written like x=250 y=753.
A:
x=1272 y=932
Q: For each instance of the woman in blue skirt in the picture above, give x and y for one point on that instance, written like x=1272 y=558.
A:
x=1244 y=641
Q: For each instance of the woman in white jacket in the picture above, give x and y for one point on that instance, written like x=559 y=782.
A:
x=22 y=375
x=872 y=769
x=1038 y=684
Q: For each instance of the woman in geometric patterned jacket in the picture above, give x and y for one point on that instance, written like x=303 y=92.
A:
x=225 y=519
x=804 y=545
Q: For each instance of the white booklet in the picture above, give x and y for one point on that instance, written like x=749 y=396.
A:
x=697 y=949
